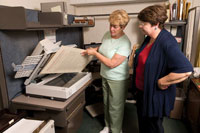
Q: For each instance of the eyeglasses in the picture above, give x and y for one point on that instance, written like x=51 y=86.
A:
x=115 y=26
x=142 y=23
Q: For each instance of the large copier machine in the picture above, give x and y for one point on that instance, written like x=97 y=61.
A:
x=54 y=71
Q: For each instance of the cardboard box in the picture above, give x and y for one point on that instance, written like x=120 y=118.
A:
x=51 y=18
x=54 y=7
x=193 y=108
x=15 y=18
x=32 y=126
x=95 y=109
x=177 y=112
x=55 y=18
x=7 y=119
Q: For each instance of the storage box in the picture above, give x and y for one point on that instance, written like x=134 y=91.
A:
x=58 y=18
x=54 y=7
x=8 y=119
x=32 y=126
x=18 y=18
x=50 y=9
x=193 y=108
x=177 y=112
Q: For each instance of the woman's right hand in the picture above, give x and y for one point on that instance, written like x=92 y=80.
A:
x=84 y=52
x=172 y=78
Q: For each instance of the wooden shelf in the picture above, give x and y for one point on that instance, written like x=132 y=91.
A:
x=43 y=27
x=176 y=23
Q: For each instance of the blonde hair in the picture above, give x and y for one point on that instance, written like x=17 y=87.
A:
x=119 y=17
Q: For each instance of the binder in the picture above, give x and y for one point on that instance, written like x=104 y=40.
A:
x=188 y=4
x=181 y=10
x=184 y=10
x=174 y=11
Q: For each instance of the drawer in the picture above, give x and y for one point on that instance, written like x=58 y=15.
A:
x=60 y=117
x=7 y=119
x=73 y=121
x=74 y=104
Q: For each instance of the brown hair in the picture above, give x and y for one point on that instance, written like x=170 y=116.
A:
x=154 y=14
x=119 y=17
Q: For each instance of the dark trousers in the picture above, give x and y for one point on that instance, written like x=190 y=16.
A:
x=147 y=124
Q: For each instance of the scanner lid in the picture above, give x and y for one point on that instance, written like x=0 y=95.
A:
x=52 y=59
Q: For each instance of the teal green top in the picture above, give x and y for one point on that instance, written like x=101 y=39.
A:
x=109 y=48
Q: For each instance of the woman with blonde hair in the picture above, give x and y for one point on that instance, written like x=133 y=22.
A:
x=113 y=55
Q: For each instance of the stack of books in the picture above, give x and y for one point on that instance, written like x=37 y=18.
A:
x=84 y=20
x=178 y=11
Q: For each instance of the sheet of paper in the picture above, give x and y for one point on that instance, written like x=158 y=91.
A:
x=50 y=34
x=50 y=47
x=24 y=126
x=56 y=9
x=67 y=60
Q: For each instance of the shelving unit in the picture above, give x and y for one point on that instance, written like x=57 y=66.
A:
x=19 y=18
x=180 y=30
x=176 y=23
x=46 y=27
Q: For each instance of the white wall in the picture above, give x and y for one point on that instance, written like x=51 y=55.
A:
x=195 y=3
x=95 y=34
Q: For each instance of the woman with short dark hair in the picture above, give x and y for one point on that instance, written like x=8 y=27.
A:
x=158 y=66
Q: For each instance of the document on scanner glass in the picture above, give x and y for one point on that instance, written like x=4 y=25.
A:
x=67 y=60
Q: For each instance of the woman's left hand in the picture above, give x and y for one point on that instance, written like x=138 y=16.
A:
x=161 y=85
